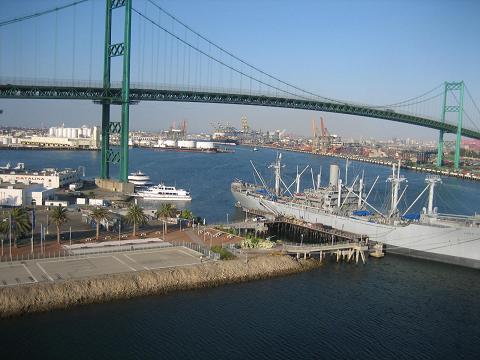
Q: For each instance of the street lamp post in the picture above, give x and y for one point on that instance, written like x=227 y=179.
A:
x=10 y=234
x=41 y=238
x=301 y=236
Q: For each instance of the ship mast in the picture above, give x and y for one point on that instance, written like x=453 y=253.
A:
x=431 y=180
x=360 y=191
x=298 y=181
x=277 y=168
x=395 y=179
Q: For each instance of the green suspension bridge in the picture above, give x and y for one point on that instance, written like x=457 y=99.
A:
x=173 y=62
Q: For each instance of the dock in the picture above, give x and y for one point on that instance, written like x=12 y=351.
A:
x=311 y=232
x=311 y=239
x=343 y=251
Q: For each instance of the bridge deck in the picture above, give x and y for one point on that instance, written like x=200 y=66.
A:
x=13 y=91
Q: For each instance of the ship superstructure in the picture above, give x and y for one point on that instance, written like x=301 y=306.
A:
x=429 y=234
x=139 y=179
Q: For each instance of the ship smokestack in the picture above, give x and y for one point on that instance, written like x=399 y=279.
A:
x=334 y=171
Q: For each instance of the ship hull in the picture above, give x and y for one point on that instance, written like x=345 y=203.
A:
x=458 y=245
x=164 y=198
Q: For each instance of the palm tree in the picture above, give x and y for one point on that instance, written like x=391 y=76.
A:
x=135 y=216
x=98 y=214
x=59 y=217
x=20 y=221
x=166 y=210
x=186 y=214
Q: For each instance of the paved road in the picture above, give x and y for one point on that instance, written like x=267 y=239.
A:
x=57 y=269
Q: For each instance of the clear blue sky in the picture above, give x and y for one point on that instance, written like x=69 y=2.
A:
x=373 y=52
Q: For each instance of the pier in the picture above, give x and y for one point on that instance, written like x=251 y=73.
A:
x=343 y=251
x=311 y=233
x=318 y=239
x=311 y=240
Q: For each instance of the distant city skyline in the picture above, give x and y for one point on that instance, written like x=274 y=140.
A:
x=375 y=52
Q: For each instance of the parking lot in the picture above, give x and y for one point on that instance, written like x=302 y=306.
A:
x=32 y=271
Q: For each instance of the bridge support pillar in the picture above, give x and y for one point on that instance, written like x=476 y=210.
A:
x=458 y=141
x=105 y=165
x=456 y=108
x=110 y=156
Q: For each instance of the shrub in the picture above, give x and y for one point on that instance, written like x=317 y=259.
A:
x=224 y=253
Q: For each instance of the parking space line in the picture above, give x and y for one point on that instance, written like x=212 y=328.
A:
x=28 y=270
x=129 y=258
x=124 y=263
x=41 y=268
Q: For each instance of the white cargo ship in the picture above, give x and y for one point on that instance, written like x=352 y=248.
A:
x=448 y=238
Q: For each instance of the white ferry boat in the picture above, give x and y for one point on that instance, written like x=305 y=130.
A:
x=163 y=192
x=139 y=179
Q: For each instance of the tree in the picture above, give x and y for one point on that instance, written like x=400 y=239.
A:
x=21 y=225
x=59 y=217
x=98 y=214
x=186 y=214
x=135 y=216
x=166 y=211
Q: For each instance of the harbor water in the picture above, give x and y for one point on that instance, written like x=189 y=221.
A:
x=395 y=307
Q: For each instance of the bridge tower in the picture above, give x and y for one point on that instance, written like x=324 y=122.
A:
x=111 y=156
x=452 y=87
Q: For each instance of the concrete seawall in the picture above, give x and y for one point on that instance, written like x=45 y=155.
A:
x=44 y=297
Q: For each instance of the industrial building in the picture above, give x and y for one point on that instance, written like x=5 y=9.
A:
x=49 y=178
x=58 y=138
x=24 y=194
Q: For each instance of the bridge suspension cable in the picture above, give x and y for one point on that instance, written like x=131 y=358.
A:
x=465 y=113
x=474 y=104
x=221 y=62
x=211 y=43
x=37 y=14
x=410 y=101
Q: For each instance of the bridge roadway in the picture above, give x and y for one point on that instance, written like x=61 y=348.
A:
x=12 y=91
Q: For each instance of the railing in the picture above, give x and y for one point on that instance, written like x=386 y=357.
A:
x=65 y=254
x=320 y=246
